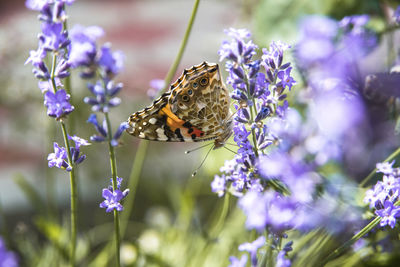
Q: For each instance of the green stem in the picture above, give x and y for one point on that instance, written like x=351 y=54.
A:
x=142 y=149
x=133 y=181
x=74 y=196
x=391 y=157
x=113 y=164
x=52 y=71
x=350 y=242
x=222 y=217
x=178 y=58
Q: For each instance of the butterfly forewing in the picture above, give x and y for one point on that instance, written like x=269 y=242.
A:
x=196 y=108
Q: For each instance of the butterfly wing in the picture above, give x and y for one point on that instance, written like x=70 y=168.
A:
x=196 y=108
x=159 y=123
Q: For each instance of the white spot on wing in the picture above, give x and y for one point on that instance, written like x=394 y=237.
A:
x=141 y=135
x=153 y=120
x=161 y=135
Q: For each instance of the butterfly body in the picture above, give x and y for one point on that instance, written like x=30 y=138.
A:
x=195 y=108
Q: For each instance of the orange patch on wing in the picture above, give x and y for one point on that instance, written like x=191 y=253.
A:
x=197 y=132
x=174 y=122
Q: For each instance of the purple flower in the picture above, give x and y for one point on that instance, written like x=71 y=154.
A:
x=218 y=185
x=83 y=45
x=7 y=258
x=235 y=262
x=336 y=113
x=375 y=196
x=57 y=104
x=57 y=159
x=252 y=248
x=104 y=96
x=78 y=141
x=385 y=167
x=113 y=197
x=47 y=85
x=239 y=49
x=396 y=15
x=388 y=214
x=112 y=200
x=121 y=129
x=36 y=4
x=119 y=182
x=281 y=261
x=285 y=79
x=156 y=85
x=53 y=37
x=255 y=206
x=111 y=62
x=36 y=57
x=75 y=151
x=101 y=129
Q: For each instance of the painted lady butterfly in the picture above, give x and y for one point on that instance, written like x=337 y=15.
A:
x=195 y=108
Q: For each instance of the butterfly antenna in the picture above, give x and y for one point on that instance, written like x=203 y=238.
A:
x=197 y=148
x=230 y=150
x=201 y=164
x=231 y=144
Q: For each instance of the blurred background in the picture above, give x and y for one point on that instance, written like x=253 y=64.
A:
x=149 y=34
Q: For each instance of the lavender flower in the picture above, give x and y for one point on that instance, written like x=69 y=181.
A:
x=235 y=262
x=281 y=261
x=156 y=86
x=58 y=158
x=53 y=37
x=385 y=194
x=7 y=258
x=75 y=151
x=396 y=15
x=252 y=248
x=57 y=103
x=104 y=95
x=218 y=185
x=110 y=62
x=388 y=213
x=113 y=198
x=83 y=45
x=385 y=167
x=102 y=130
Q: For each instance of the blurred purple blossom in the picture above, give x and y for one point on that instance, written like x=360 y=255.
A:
x=54 y=37
x=396 y=15
x=7 y=258
x=104 y=95
x=235 y=262
x=281 y=261
x=156 y=85
x=218 y=185
x=111 y=62
x=83 y=45
x=252 y=248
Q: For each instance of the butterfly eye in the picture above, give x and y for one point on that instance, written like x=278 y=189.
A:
x=195 y=85
x=190 y=92
x=204 y=81
x=185 y=98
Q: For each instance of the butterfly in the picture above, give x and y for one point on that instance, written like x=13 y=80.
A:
x=195 y=108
